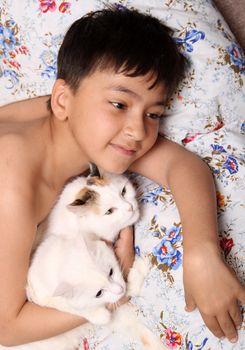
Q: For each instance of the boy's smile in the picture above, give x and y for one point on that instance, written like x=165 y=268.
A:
x=115 y=118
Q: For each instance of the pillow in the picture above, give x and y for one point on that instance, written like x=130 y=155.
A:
x=211 y=95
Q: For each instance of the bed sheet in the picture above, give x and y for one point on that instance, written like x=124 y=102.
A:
x=206 y=115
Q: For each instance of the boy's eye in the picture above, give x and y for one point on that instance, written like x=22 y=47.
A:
x=118 y=105
x=109 y=211
x=99 y=294
x=123 y=191
x=154 y=116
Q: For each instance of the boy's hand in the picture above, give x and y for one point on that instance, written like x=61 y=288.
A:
x=124 y=249
x=213 y=287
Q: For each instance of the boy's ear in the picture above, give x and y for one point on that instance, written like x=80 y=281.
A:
x=59 y=99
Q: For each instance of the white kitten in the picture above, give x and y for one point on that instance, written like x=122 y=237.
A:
x=102 y=207
x=71 y=265
x=75 y=277
x=74 y=271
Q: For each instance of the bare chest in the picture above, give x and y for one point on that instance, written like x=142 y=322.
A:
x=45 y=200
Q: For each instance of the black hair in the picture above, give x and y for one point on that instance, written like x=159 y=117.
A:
x=125 y=40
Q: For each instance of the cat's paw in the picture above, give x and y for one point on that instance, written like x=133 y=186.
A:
x=137 y=274
x=100 y=316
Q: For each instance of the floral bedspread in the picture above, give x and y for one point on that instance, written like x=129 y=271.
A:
x=206 y=115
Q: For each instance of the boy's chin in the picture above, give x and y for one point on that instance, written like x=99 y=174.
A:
x=116 y=164
x=114 y=168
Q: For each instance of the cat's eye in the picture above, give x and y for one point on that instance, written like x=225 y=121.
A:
x=111 y=272
x=123 y=191
x=99 y=294
x=109 y=211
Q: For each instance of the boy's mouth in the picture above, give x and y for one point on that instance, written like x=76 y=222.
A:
x=123 y=149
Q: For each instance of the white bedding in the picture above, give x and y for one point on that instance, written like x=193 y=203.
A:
x=206 y=115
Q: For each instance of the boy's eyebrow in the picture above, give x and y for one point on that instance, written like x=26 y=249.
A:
x=125 y=90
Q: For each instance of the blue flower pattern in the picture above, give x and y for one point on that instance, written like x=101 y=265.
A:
x=166 y=254
x=7 y=39
x=231 y=165
x=237 y=56
x=152 y=196
x=191 y=37
x=10 y=48
x=190 y=346
x=166 y=251
x=50 y=65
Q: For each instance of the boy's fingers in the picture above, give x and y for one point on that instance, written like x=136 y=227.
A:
x=126 y=237
x=228 y=327
x=236 y=316
x=129 y=230
x=213 y=325
x=241 y=295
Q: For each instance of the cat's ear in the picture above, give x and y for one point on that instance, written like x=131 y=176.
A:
x=84 y=199
x=94 y=171
x=96 y=176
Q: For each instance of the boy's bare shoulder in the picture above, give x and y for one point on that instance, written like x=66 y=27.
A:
x=16 y=160
x=23 y=160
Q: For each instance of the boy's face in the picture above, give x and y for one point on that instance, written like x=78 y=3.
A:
x=115 y=118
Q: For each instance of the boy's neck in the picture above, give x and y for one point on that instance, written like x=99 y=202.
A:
x=64 y=157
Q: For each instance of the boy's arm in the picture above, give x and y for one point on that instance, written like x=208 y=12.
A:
x=209 y=283
x=21 y=321
x=25 y=110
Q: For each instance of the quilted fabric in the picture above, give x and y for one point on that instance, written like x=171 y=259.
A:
x=206 y=115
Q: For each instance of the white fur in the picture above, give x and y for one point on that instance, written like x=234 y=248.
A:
x=67 y=275
x=63 y=221
x=71 y=265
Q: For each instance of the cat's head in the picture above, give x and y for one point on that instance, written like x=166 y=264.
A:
x=100 y=280
x=106 y=204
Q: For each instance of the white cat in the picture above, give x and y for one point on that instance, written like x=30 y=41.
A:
x=75 y=271
x=76 y=277
x=102 y=205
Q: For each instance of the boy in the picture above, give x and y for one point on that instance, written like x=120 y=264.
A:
x=115 y=71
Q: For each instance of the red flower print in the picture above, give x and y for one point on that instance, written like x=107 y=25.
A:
x=226 y=245
x=64 y=6
x=218 y=125
x=85 y=344
x=235 y=52
x=164 y=250
x=47 y=5
x=190 y=138
x=173 y=339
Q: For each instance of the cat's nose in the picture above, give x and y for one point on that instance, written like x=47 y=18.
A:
x=130 y=207
x=117 y=288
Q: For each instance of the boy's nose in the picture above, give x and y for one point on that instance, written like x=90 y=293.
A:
x=135 y=129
